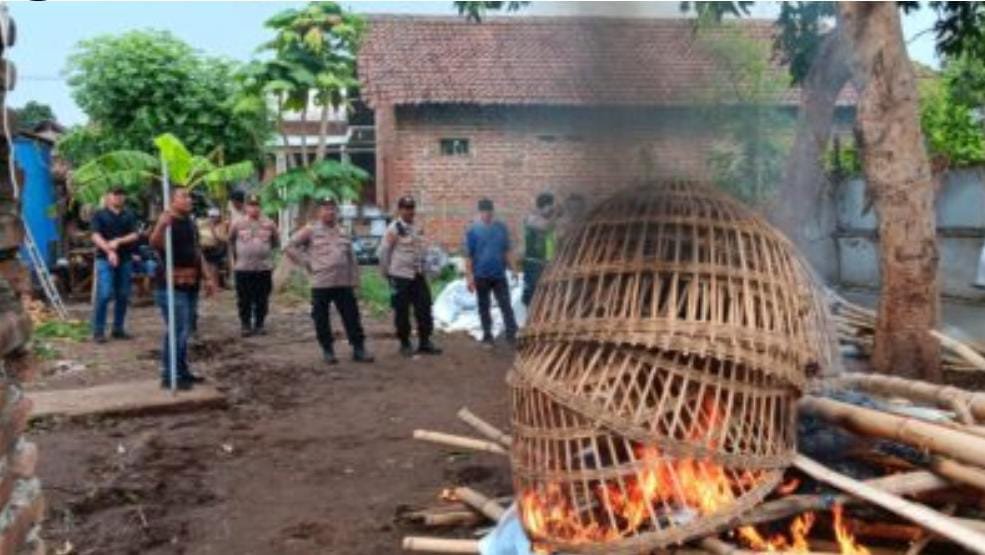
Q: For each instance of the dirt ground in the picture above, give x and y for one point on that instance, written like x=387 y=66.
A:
x=305 y=459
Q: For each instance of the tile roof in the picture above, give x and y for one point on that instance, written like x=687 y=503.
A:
x=544 y=60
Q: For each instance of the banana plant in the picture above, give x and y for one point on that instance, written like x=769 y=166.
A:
x=303 y=185
x=138 y=172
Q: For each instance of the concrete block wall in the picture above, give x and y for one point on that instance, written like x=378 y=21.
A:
x=960 y=226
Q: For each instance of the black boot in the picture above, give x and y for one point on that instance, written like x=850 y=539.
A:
x=328 y=355
x=428 y=348
x=359 y=354
x=406 y=349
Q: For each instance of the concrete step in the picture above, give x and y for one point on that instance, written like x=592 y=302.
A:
x=135 y=398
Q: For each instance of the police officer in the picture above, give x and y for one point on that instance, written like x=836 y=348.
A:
x=402 y=263
x=325 y=250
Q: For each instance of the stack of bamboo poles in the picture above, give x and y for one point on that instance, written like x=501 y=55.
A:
x=954 y=473
x=857 y=324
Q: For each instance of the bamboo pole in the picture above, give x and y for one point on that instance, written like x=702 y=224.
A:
x=943 y=396
x=959 y=348
x=907 y=483
x=455 y=518
x=956 y=444
x=960 y=473
x=488 y=507
x=440 y=545
x=484 y=428
x=924 y=516
x=459 y=441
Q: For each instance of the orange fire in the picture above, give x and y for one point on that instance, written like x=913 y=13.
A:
x=845 y=538
x=664 y=489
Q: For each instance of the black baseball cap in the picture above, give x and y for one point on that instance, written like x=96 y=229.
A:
x=485 y=205
x=545 y=199
x=406 y=201
x=237 y=195
x=327 y=201
x=117 y=190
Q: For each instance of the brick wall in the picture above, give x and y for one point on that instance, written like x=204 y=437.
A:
x=517 y=152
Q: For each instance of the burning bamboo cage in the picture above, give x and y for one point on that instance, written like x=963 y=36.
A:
x=655 y=385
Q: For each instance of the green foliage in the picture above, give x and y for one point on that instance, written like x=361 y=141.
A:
x=31 y=114
x=842 y=162
x=136 y=171
x=475 y=11
x=748 y=159
x=953 y=134
x=133 y=170
x=314 y=51
x=321 y=180
x=136 y=85
x=374 y=293
x=965 y=77
x=72 y=330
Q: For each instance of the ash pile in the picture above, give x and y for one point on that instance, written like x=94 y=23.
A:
x=678 y=388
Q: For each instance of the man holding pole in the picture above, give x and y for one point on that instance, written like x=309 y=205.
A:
x=252 y=240
x=189 y=271
x=114 y=232
x=325 y=250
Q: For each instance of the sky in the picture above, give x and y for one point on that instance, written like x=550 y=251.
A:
x=47 y=32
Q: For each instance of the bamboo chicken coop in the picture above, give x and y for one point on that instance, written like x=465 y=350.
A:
x=654 y=390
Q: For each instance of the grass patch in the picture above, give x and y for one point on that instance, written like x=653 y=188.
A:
x=72 y=330
x=374 y=292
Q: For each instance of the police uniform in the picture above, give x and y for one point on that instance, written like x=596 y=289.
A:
x=402 y=255
x=334 y=275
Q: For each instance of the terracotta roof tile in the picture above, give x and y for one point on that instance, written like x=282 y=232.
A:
x=539 y=60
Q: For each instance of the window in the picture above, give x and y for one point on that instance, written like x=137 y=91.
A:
x=454 y=147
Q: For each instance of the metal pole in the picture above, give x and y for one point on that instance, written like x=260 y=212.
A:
x=169 y=274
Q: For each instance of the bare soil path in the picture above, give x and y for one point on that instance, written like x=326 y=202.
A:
x=305 y=460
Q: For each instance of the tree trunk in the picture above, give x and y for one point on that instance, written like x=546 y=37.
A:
x=804 y=178
x=288 y=157
x=304 y=137
x=322 y=133
x=898 y=174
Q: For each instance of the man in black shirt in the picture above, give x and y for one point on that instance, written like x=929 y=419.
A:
x=114 y=232
x=189 y=272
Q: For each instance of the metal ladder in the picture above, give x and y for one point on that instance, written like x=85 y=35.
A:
x=41 y=271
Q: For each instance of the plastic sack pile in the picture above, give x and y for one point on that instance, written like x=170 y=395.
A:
x=456 y=309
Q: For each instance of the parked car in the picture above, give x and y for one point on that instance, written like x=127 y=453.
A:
x=367 y=247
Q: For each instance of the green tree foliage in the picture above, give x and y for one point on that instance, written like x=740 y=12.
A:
x=140 y=84
x=139 y=173
x=321 y=180
x=754 y=133
x=953 y=133
x=475 y=11
x=31 y=114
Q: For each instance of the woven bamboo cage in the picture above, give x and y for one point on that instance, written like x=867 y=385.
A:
x=654 y=387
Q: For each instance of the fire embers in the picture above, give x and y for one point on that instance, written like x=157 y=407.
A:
x=654 y=389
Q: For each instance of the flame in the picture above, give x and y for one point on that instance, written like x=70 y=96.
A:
x=666 y=489
x=846 y=541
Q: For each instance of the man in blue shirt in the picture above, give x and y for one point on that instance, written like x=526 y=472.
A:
x=487 y=245
x=114 y=232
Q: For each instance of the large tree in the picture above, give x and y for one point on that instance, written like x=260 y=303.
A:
x=139 y=84
x=31 y=114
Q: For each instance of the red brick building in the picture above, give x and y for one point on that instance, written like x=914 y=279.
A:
x=518 y=105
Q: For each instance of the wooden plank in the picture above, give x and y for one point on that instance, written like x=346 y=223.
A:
x=123 y=399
